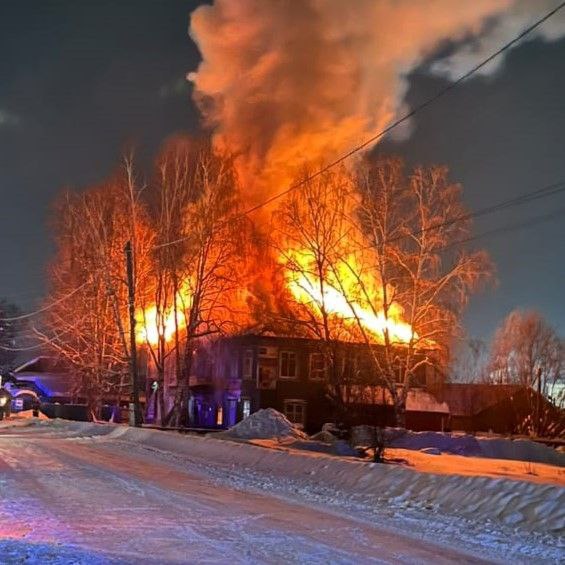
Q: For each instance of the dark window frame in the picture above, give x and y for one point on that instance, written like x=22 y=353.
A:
x=289 y=354
x=290 y=413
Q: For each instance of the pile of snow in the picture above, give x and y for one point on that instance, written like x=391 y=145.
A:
x=264 y=424
x=471 y=446
x=520 y=449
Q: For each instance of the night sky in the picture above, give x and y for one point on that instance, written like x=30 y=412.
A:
x=83 y=80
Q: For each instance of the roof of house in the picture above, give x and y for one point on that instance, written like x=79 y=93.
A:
x=48 y=375
x=468 y=399
x=42 y=364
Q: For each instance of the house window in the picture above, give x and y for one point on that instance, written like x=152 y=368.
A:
x=318 y=366
x=295 y=411
x=246 y=407
x=220 y=416
x=288 y=365
x=247 y=368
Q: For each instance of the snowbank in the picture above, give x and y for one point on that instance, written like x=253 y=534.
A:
x=475 y=446
x=264 y=424
x=529 y=505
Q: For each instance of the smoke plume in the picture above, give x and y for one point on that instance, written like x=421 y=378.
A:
x=283 y=82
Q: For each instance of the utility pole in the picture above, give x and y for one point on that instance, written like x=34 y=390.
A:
x=538 y=404
x=132 y=344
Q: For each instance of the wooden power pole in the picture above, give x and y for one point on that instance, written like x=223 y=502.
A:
x=538 y=405
x=132 y=343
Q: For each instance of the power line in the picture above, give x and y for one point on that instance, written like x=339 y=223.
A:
x=45 y=308
x=418 y=108
x=511 y=227
x=549 y=190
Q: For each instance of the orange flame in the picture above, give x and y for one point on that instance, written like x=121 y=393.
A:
x=154 y=323
x=346 y=294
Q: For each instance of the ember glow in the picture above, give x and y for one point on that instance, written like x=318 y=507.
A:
x=346 y=294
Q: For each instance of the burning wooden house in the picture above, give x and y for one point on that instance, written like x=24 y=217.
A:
x=233 y=377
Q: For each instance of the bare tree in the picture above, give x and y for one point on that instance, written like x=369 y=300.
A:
x=11 y=334
x=527 y=351
x=169 y=195
x=201 y=277
x=413 y=224
x=470 y=361
x=368 y=257
x=314 y=239
x=85 y=327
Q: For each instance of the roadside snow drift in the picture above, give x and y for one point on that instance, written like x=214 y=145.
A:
x=264 y=424
x=528 y=505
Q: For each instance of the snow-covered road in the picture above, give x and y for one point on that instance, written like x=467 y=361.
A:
x=110 y=503
x=71 y=497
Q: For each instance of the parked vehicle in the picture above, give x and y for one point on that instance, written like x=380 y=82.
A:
x=5 y=403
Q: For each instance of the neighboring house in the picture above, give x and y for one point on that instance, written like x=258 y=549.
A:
x=233 y=377
x=500 y=408
x=44 y=378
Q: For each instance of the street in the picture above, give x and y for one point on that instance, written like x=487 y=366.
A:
x=68 y=498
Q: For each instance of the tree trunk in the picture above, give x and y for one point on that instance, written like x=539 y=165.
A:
x=399 y=410
x=178 y=417
x=161 y=401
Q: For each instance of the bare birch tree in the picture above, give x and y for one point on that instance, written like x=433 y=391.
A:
x=86 y=326
x=414 y=225
x=368 y=254
x=314 y=240
x=169 y=195
x=198 y=252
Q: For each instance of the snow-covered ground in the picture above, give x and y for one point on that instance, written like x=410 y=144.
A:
x=86 y=493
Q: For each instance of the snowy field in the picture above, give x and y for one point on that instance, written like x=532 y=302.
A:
x=87 y=493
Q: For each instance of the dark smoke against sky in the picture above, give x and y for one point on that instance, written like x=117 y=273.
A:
x=80 y=81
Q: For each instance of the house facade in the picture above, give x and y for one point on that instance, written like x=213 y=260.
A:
x=234 y=377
